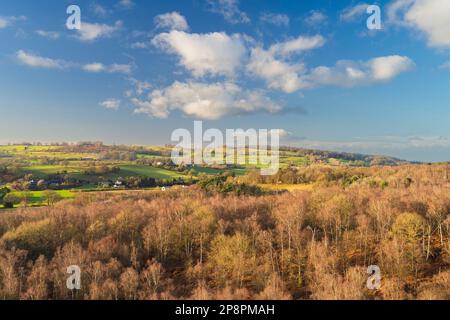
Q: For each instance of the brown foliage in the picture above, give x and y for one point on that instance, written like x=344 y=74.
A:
x=188 y=244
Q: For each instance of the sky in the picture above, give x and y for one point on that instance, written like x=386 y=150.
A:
x=137 y=70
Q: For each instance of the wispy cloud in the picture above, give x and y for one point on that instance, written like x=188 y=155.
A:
x=93 y=31
x=315 y=18
x=8 y=21
x=126 y=4
x=99 y=10
x=353 y=12
x=275 y=19
x=299 y=44
x=171 y=21
x=445 y=65
x=229 y=9
x=48 y=34
x=114 y=68
x=140 y=45
x=36 y=61
x=362 y=144
x=3 y=22
x=140 y=87
x=112 y=104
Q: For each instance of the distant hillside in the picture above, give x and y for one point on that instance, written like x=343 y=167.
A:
x=97 y=150
x=345 y=157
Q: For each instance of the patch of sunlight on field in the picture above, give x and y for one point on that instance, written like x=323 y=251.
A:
x=213 y=171
x=147 y=171
x=37 y=198
x=44 y=171
x=45 y=152
x=65 y=194
x=26 y=149
x=288 y=187
x=148 y=156
x=157 y=148
x=63 y=155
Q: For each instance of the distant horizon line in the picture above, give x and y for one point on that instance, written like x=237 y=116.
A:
x=55 y=143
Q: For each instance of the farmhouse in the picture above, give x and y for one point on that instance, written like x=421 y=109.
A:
x=119 y=184
x=32 y=184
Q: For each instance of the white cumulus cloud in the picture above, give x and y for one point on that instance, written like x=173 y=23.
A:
x=347 y=73
x=293 y=76
x=204 y=54
x=271 y=65
x=386 y=68
x=205 y=101
x=278 y=74
x=430 y=17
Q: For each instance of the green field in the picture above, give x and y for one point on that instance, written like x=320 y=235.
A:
x=41 y=171
x=199 y=170
x=212 y=171
x=147 y=171
x=96 y=167
x=38 y=197
x=51 y=152
x=126 y=170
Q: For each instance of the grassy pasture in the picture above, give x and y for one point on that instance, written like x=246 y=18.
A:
x=44 y=152
x=147 y=171
x=38 y=197
x=41 y=171
x=212 y=171
x=16 y=149
x=126 y=170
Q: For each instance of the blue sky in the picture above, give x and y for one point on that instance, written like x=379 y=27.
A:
x=137 y=70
